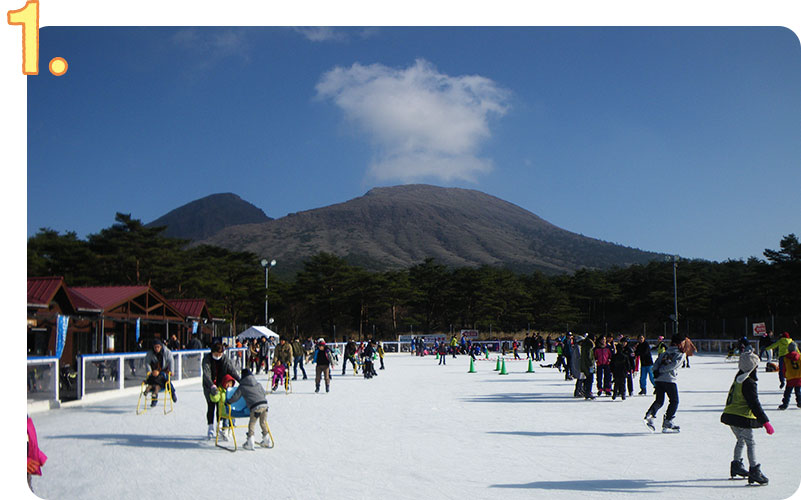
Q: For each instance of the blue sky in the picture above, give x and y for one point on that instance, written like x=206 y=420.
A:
x=682 y=140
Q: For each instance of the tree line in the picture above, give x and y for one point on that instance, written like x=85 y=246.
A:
x=330 y=297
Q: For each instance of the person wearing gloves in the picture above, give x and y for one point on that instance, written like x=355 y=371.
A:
x=743 y=414
x=158 y=361
x=665 y=375
x=782 y=344
x=322 y=359
x=792 y=374
x=255 y=399
x=219 y=398
x=215 y=365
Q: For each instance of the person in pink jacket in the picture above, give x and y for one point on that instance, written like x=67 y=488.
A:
x=36 y=458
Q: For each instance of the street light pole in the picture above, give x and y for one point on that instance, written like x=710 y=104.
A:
x=267 y=265
x=675 y=298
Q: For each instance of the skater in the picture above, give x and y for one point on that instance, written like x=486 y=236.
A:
x=782 y=344
x=219 y=398
x=215 y=366
x=381 y=354
x=515 y=347
x=689 y=349
x=629 y=352
x=255 y=398
x=587 y=366
x=643 y=352
x=743 y=414
x=298 y=353
x=322 y=358
x=36 y=458
x=441 y=351
x=660 y=346
x=283 y=355
x=279 y=374
x=159 y=361
x=603 y=360
x=350 y=353
x=792 y=374
x=665 y=373
x=621 y=370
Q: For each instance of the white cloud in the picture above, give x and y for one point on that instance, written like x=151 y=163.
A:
x=423 y=124
x=209 y=46
x=330 y=34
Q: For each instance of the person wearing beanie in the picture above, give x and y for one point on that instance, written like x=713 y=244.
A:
x=665 y=374
x=792 y=374
x=256 y=400
x=743 y=414
x=159 y=364
x=782 y=344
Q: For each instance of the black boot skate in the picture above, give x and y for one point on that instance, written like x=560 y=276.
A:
x=738 y=469
x=755 y=475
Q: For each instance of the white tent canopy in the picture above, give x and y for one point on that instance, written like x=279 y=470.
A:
x=255 y=332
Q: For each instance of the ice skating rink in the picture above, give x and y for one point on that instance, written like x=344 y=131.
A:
x=423 y=431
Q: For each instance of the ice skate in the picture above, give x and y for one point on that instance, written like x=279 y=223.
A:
x=222 y=436
x=783 y=406
x=738 y=469
x=249 y=444
x=266 y=442
x=649 y=422
x=669 y=427
x=755 y=475
x=210 y=433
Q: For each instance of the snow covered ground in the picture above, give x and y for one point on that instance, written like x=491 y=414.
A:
x=420 y=430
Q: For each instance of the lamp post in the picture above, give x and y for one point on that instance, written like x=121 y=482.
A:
x=675 y=296
x=267 y=265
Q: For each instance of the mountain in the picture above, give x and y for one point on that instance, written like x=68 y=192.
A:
x=205 y=217
x=397 y=227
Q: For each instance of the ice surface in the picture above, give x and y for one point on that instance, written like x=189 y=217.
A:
x=423 y=431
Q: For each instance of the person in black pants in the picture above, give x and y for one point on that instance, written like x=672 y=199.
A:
x=665 y=373
x=350 y=353
x=215 y=365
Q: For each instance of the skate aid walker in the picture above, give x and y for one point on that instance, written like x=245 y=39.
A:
x=167 y=396
x=230 y=412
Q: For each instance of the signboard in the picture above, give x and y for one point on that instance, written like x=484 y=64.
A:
x=760 y=330
x=429 y=339
x=469 y=333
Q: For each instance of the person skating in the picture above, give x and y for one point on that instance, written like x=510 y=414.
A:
x=380 y=351
x=219 y=397
x=665 y=373
x=587 y=366
x=782 y=344
x=792 y=375
x=367 y=359
x=283 y=355
x=441 y=350
x=215 y=366
x=350 y=353
x=689 y=349
x=256 y=400
x=322 y=360
x=603 y=360
x=643 y=352
x=298 y=353
x=621 y=369
x=158 y=361
x=743 y=414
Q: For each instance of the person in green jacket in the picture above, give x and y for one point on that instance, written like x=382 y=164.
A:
x=743 y=414
x=220 y=398
x=782 y=345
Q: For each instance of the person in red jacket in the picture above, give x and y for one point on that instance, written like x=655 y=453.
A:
x=792 y=376
x=603 y=361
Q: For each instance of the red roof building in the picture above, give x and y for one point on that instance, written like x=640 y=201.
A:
x=103 y=319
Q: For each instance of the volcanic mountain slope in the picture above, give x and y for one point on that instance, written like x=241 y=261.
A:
x=397 y=227
x=202 y=218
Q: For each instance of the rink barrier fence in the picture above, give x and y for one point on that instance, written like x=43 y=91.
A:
x=99 y=373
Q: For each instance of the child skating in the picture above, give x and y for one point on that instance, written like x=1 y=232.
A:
x=792 y=374
x=743 y=414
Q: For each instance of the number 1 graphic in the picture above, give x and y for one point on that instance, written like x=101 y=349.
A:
x=28 y=18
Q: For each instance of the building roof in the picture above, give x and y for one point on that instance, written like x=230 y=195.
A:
x=190 y=307
x=41 y=291
x=107 y=297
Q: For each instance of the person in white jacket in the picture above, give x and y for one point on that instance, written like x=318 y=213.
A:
x=665 y=374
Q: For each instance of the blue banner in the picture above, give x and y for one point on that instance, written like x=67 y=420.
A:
x=137 y=330
x=194 y=327
x=61 y=333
